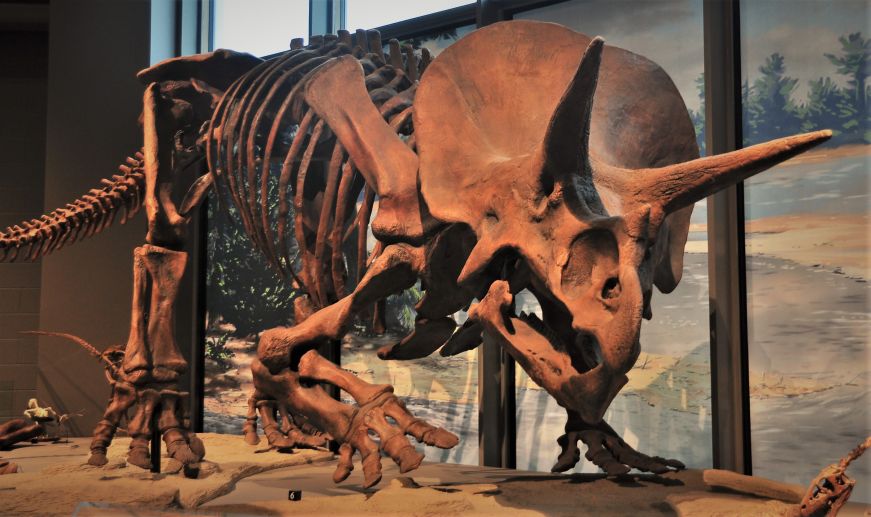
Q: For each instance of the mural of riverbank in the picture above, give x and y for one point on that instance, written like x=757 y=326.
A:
x=808 y=306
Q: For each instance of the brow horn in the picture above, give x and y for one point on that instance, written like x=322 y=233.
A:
x=676 y=186
x=567 y=140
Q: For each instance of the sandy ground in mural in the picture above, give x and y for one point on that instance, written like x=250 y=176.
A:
x=813 y=210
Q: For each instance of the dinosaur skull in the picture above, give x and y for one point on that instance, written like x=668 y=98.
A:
x=584 y=203
x=584 y=194
x=828 y=492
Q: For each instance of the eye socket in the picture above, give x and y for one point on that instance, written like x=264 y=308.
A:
x=547 y=184
x=611 y=289
x=593 y=256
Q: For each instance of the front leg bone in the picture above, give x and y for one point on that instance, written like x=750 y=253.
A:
x=395 y=269
x=288 y=366
x=152 y=365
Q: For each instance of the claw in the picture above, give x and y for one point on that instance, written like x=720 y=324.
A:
x=177 y=447
x=393 y=441
x=675 y=464
x=138 y=454
x=182 y=452
x=371 y=469
x=570 y=455
x=300 y=439
x=440 y=438
x=359 y=440
x=610 y=453
x=250 y=431
x=97 y=459
x=345 y=465
x=420 y=430
x=197 y=446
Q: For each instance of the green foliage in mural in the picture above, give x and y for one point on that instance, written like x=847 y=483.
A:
x=698 y=117
x=828 y=106
x=853 y=62
x=216 y=350
x=771 y=111
x=244 y=290
x=400 y=309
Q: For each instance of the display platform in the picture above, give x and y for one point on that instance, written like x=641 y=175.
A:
x=240 y=479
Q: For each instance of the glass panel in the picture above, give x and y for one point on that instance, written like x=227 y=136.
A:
x=259 y=27
x=243 y=294
x=665 y=409
x=441 y=390
x=363 y=14
x=243 y=297
x=807 y=227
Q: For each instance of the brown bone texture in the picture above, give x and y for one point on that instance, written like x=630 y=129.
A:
x=829 y=491
x=18 y=430
x=89 y=214
x=586 y=202
x=152 y=344
x=526 y=156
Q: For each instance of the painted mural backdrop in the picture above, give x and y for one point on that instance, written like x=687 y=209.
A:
x=665 y=409
x=805 y=67
x=244 y=298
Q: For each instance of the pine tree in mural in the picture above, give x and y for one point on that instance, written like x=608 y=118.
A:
x=698 y=117
x=747 y=112
x=772 y=113
x=853 y=62
x=828 y=107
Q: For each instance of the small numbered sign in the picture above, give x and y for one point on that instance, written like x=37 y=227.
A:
x=294 y=495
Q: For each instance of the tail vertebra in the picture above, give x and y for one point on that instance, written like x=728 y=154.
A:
x=87 y=215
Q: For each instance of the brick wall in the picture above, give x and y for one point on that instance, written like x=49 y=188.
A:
x=23 y=79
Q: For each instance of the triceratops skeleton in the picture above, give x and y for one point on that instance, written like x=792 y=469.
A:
x=528 y=156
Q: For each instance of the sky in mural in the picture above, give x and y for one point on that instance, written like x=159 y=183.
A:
x=803 y=31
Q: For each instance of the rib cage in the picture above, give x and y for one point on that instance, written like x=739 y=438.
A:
x=263 y=137
x=91 y=213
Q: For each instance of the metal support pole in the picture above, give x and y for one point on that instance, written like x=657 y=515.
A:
x=726 y=261
x=496 y=407
x=155 y=440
